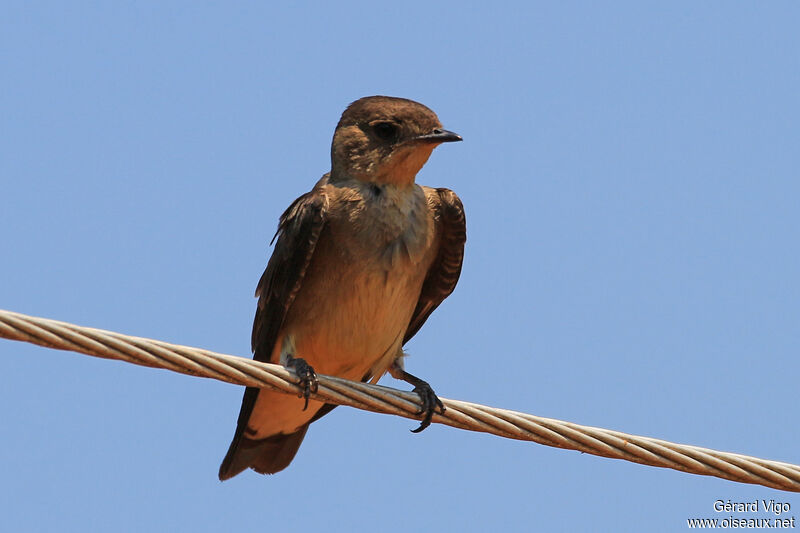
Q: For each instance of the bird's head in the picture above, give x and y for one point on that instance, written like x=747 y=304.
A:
x=385 y=140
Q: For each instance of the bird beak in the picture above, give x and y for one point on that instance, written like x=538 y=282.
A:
x=439 y=135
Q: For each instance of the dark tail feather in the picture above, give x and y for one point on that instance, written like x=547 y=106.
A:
x=265 y=456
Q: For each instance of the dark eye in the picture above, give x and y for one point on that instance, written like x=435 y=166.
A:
x=385 y=130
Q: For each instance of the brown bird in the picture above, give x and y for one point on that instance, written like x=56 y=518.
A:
x=361 y=262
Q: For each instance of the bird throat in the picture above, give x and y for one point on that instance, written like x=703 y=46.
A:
x=403 y=165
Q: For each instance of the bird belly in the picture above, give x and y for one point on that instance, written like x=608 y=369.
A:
x=347 y=322
x=352 y=332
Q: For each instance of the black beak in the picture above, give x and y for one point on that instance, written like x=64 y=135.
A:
x=439 y=136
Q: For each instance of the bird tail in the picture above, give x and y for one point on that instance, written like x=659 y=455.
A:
x=265 y=456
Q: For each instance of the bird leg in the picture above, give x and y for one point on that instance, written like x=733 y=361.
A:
x=305 y=373
x=429 y=399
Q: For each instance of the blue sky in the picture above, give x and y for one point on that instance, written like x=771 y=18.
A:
x=630 y=175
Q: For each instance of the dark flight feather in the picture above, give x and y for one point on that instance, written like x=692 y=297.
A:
x=446 y=268
x=298 y=231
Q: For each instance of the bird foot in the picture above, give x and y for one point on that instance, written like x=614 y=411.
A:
x=429 y=404
x=308 y=381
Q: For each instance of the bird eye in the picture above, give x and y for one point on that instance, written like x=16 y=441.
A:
x=385 y=130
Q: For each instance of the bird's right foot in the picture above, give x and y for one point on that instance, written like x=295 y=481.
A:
x=308 y=378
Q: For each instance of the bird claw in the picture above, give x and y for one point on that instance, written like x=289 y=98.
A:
x=308 y=381
x=429 y=404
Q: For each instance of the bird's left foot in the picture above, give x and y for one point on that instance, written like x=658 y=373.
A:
x=429 y=399
x=308 y=378
x=429 y=404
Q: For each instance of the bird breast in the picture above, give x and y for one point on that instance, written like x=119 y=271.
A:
x=363 y=284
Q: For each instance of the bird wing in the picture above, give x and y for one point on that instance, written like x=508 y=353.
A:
x=446 y=267
x=298 y=232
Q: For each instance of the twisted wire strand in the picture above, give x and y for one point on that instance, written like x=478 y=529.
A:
x=376 y=398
